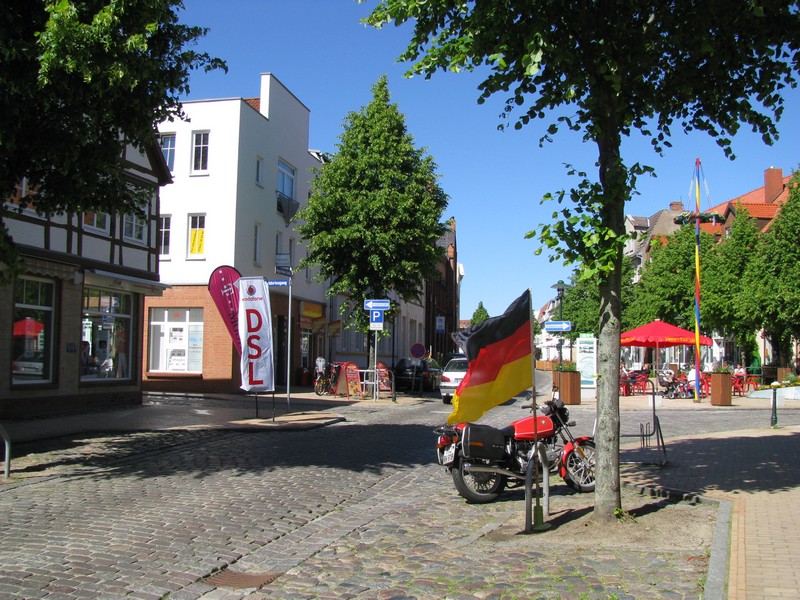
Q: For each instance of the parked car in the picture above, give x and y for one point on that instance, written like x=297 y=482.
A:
x=451 y=355
x=452 y=375
x=29 y=363
x=420 y=374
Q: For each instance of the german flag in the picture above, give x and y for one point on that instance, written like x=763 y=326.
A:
x=499 y=355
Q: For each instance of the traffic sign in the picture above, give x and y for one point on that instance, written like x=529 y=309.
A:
x=285 y=271
x=382 y=304
x=418 y=350
x=558 y=326
x=376 y=320
x=278 y=282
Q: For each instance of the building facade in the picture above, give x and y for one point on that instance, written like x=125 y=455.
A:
x=71 y=323
x=241 y=170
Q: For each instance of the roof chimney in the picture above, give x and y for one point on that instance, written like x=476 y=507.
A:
x=676 y=206
x=773 y=184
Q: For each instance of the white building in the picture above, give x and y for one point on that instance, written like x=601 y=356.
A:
x=241 y=169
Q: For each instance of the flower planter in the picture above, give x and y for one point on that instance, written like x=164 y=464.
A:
x=721 y=386
x=569 y=386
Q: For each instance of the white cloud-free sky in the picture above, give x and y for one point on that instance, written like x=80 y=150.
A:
x=495 y=179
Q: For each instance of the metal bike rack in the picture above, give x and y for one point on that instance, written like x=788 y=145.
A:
x=650 y=430
x=539 y=455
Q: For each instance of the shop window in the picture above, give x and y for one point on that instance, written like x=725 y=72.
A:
x=176 y=340
x=32 y=345
x=106 y=324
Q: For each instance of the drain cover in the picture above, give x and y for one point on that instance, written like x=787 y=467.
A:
x=235 y=580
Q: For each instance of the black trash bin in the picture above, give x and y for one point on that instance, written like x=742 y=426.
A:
x=303 y=377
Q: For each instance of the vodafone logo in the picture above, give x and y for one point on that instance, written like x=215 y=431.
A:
x=251 y=289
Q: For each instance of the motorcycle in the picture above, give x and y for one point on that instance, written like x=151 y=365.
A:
x=485 y=460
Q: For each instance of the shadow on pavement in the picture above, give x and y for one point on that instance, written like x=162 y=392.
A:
x=749 y=463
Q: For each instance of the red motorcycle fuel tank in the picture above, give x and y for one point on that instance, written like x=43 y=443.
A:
x=523 y=428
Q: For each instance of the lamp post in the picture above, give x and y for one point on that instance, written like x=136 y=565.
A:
x=560 y=287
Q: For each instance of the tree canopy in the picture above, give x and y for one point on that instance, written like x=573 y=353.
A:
x=620 y=68
x=773 y=295
x=79 y=79
x=666 y=288
x=480 y=315
x=372 y=222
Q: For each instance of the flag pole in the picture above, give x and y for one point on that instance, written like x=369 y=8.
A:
x=538 y=513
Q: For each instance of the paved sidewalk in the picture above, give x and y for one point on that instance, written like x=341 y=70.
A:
x=752 y=469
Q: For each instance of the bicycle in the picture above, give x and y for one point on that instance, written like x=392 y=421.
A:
x=327 y=379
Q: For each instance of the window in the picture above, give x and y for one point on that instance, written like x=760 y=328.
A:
x=285 y=183
x=163 y=234
x=259 y=171
x=199 y=152
x=257 y=244
x=197 y=231
x=105 y=334
x=176 y=340
x=134 y=229
x=168 y=149
x=32 y=343
x=98 y=221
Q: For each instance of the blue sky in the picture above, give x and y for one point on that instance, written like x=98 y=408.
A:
x=495 y=179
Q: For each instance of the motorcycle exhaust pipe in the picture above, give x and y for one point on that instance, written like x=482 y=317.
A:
x=469 y=467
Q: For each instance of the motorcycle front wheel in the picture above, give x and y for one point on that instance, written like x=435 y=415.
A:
x=580 y=469
x=477 y=488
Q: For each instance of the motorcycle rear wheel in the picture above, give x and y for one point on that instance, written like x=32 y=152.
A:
x=580 y=469
x=477 y=488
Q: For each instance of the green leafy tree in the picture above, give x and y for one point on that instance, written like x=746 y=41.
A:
x=611 y=69
x=723 y=279
x=480 y=315
x=373 y=219
x=666 y=288
x=79 y=79
x=771 y=280
x=582 y=301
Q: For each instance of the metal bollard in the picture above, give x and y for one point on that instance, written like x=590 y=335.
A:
x=7 y=439
x=774 y=419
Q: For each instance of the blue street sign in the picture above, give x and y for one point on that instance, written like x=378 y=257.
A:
x=376 y=316
x=558 y=326
x=278 y=282
x=382 y=304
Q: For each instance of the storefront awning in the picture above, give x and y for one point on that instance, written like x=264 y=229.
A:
x=139 y=285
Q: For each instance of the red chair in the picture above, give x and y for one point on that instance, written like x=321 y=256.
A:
x=705 y=385
x=738 y=385
x=751 y=383
x=640 y=385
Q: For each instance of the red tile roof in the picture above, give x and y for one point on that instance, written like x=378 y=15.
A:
x=254 y=102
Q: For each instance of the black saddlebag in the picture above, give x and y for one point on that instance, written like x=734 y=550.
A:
x=483 y=441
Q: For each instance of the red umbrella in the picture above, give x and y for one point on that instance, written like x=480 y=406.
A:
x=659 y=334
x=27 y=327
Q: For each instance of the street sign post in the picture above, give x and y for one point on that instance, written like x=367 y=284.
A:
x=558 y=326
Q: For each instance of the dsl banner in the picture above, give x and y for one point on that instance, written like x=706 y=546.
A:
x=255 y=331
x=225 y=293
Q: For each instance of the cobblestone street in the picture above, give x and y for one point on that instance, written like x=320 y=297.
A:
x=352 y=510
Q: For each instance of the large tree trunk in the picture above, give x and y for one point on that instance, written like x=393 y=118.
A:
x=613 y=179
